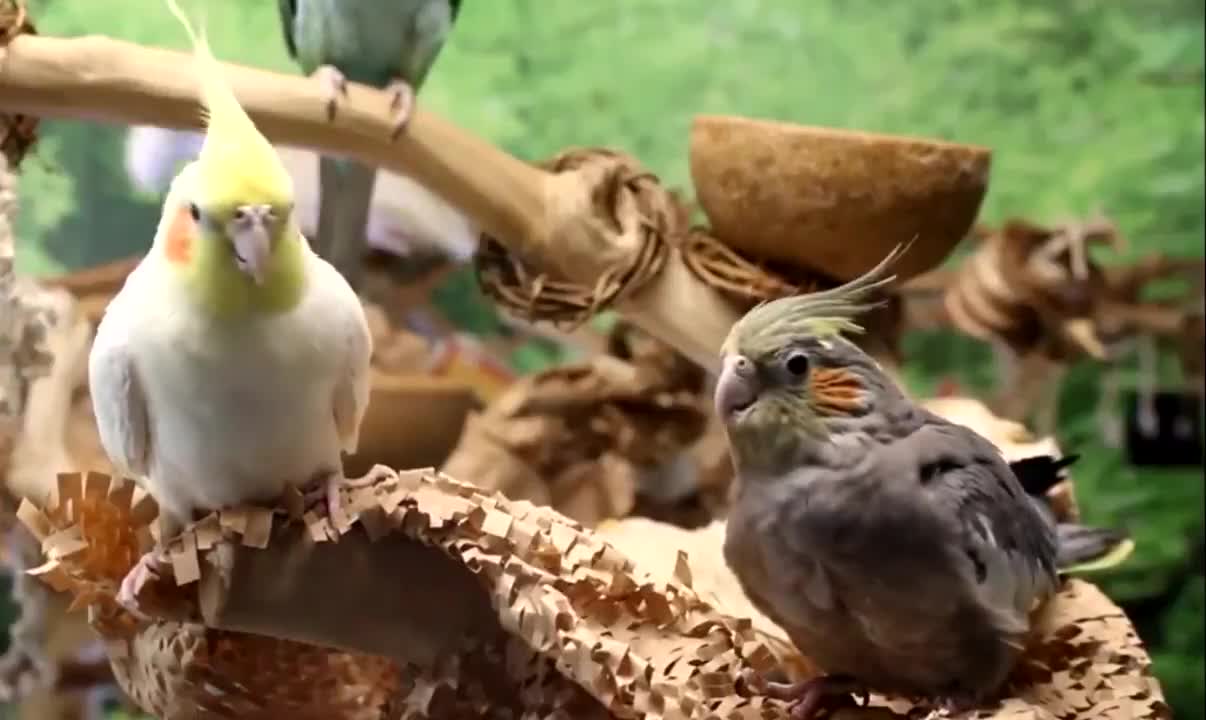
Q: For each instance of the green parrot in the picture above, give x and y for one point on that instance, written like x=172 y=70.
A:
x=390 y=44
x=898 y=550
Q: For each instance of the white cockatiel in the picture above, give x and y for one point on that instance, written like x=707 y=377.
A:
x=234 y=362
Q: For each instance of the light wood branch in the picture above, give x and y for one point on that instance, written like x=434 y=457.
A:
x=414 y=616
x=550 y=220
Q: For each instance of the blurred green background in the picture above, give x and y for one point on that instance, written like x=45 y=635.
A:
x=1088 y=104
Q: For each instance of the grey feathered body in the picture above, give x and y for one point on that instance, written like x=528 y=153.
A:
x=909 y=558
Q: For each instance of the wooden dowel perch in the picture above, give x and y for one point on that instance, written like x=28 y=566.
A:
x=344 y=595
x=568 y=221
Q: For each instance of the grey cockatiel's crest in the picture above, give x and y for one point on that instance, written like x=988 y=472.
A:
x=897 y=549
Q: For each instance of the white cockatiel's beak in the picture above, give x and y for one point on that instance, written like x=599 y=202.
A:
x=251 y=231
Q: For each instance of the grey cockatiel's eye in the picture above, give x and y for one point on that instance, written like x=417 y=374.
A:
x=797 y=364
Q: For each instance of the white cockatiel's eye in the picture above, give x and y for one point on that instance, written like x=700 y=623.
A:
x=194 y=211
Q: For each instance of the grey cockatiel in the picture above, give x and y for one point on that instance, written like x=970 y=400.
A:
x=897 y=549
x=384 y=43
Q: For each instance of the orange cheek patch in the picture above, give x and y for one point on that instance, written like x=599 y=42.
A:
x=835 y=391
x=179 y=245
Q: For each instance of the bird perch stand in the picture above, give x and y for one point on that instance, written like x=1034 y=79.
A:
x=599 y=229
x=451 y=602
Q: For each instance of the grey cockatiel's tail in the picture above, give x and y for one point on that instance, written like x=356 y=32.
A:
x=384 y=43
x=1080 y=549
x=897 y=549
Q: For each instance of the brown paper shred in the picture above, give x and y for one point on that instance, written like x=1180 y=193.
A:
x=234 y=519
x=392 y=498
x=52 y=574
x=186 y=567
x=121 y=495
x=145 y=541
x=144 y=510
x=34 y=520
x=208 y=532
x=96 y=487
x=70 y=487
x=258 y=529
x=64 y=543
x=497 y=524
x=375 y=522
x=682 y=570
x=315 y=526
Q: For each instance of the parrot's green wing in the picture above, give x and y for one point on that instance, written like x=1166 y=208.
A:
x=288 y=10
x=118 y=401
x=432 y=23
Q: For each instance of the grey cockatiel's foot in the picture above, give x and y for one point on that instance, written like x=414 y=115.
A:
x=809 y=697
x=955 y=705
x=335 y=86
x=402 y=105
x=145 y=571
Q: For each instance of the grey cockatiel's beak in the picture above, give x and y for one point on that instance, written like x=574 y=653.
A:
x=738 y=386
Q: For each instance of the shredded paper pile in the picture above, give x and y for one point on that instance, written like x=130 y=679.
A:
x=582 y=629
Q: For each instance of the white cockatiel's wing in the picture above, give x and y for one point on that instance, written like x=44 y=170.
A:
x=353 y=387
x=118 y=401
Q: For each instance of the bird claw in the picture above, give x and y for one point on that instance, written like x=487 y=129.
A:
x=143 y=572
x=402 y=105
x=810 y=698
x=335 y=86
x=327 y=492
x=955 y=706
x=330 y=490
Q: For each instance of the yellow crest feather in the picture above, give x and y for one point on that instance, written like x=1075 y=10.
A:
x=237 y=164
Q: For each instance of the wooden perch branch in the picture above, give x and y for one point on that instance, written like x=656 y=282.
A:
x=554 y=220
x=350 y=597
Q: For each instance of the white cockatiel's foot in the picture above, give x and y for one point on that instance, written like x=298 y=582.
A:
x=335 y=86
x=327 y=491
x=402 y=105
x=331 y=487
x=143 y=572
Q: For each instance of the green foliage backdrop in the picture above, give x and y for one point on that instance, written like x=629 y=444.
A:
x=1088 y=104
